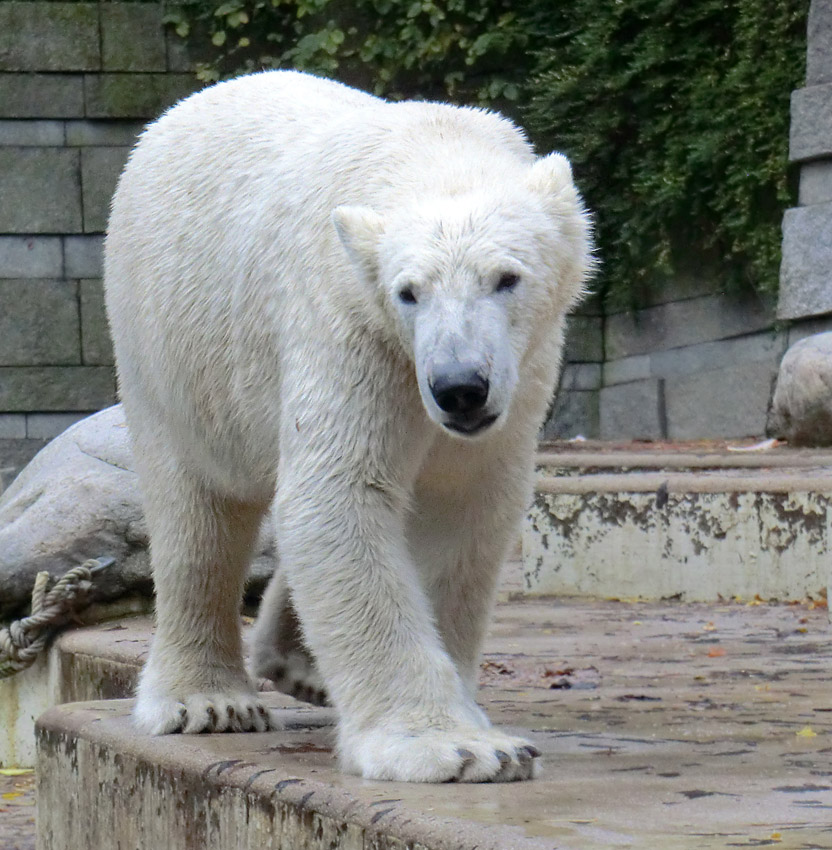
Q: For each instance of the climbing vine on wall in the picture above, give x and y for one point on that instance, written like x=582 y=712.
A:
x=674 y=112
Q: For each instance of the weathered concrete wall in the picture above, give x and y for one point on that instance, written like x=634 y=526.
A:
x=77 y=83
x=695 y=527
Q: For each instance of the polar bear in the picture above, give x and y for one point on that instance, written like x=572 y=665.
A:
x=350 y=311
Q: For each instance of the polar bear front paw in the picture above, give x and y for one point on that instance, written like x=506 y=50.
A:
x=465 y=754
x=205 y=712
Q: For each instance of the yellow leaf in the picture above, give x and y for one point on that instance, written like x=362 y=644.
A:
x=775 y=836
x=806 y=732
x=709 y=627
x=16 y=771
x=12 y=795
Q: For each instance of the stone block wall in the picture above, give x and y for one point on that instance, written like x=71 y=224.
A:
x=78 y=81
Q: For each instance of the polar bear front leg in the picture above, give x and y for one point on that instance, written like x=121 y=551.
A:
x=194 y=680
x=404 y=712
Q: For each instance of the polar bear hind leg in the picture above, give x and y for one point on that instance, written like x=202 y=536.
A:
x=276 y=648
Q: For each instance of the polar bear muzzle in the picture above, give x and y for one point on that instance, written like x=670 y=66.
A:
x=460 y=390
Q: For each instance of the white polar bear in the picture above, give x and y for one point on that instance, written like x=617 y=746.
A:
x=356 y=309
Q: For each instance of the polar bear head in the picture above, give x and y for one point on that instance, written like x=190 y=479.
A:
x=472 y=280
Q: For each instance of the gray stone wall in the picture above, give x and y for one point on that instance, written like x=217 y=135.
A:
x=78 y=81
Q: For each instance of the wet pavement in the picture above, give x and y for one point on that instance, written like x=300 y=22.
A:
x=662 y=725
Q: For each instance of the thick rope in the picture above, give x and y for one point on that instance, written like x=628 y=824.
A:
x=23 y=640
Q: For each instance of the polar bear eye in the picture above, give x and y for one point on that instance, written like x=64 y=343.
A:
x=507 y=281
x=407 y=295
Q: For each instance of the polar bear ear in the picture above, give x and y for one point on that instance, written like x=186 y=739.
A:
x=360 y=229
x=550 y=175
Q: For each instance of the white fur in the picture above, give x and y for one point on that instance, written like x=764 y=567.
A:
x=259 y=239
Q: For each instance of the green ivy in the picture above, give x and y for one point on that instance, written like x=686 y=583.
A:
x=674 y=112
x=676 y=116
x=459 y=50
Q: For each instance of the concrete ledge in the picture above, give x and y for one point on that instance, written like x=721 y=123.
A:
x=699 y=527
x=661 y=726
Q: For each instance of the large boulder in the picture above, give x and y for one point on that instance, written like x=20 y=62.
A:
x=79 y=499
x=801 y=410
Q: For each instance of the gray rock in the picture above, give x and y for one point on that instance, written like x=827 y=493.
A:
x=79 y=499
x=801 y=411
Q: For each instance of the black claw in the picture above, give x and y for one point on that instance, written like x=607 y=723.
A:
x=211 y=712
x=260 y=710
x=533 y=751
x=466 y=755
x=230 y=712
x=502 y=757
x=524 y=756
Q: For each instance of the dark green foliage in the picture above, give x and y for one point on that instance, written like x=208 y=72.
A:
x=676 y=116
x=471 y=50
x=674 y=112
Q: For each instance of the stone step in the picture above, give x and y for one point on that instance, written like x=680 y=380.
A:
x=665 y=726
x=697 y=525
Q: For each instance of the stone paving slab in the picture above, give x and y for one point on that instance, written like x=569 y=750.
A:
x=662 y=726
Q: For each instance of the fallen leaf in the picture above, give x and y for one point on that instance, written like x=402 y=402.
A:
x=709 y=627
x=716 y=652
x=806 y=732
x=16 y=771
x=11 y=795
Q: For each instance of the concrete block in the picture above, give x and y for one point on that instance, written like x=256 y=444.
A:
x=581 y=376
x=83 y=256
x=31 y=256
x=96 y=344
x=819 y=37
x=179 y=57
x=38 y=36
x=100 y=170
x=134 y=95
x=729 y=402
x=12 y=427
x=810 y=135
x=56 y=388
x=22 y=132
x=632 y=411
x=574 y=413
x=584 y=339
x=103 y=133
x=41 y=190
x=815 y=183
x=767 y=347
x=133 y=37
x=684 y=323
x=39 y=323
x=806 y=268
x=625 y=370
x=41 y=95
x=47 y=426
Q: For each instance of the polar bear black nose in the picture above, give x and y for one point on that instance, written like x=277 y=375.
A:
x=459 y=390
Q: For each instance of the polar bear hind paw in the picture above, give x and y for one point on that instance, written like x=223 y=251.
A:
x=294 y=674
x=205 y=712
x=476 y=755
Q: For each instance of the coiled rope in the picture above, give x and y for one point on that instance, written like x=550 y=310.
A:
x=23 y=640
